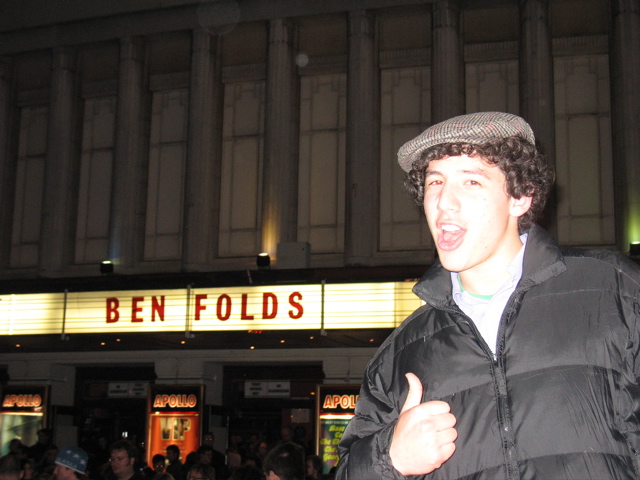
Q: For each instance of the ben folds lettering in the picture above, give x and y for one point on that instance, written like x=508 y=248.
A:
x=225 y=306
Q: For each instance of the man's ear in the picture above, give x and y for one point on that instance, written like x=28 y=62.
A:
x=520 y=206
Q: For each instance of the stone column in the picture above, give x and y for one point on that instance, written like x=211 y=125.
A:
x=280 y=185
x=204 y=149
x=61 y=166
x=363 y=142
x=447 y=62
x=8 y=153
x=189 y=371
x=129 y=191
x=536 y=84
x=624 y=59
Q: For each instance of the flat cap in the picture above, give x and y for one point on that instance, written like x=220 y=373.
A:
x=474 y=128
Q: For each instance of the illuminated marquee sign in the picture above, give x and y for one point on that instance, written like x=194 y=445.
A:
x=295 y=307
x=24 y=399
x=335 y=407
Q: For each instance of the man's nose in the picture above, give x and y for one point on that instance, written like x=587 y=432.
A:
x=448 y=198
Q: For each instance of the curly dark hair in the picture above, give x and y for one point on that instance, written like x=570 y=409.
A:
x=525 y=168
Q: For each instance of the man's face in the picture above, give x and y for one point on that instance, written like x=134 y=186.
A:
x=206 y=457
x=208 y=440
x=63 y=473
x=50 y=455
x=474 y=222
x=171 y=455
x=121 y=464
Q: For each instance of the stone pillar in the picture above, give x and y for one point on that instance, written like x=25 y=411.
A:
x=447 y=62
x=129 y=191
x=536 y=85
x=280 y=186
x=204 y=149
x=624 y=60
x=187 y=371
x=363 y=142
x=61 y=378
x=8 y=153
x=61 y=166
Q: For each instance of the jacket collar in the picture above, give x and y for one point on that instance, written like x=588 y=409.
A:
x=542 y=260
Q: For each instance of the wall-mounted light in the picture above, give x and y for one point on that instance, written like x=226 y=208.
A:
x=106 y=267
x=263 y=261
x=634 y=249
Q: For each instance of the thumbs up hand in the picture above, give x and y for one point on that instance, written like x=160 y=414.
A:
x=424 y=435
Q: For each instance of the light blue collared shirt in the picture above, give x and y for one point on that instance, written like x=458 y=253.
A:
x=486 y=313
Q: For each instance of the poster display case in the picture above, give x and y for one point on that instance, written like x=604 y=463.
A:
x=335 y=407
x=22 y=414
x=175 y=417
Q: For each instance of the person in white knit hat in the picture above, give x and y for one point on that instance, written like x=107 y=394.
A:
x=71 y=464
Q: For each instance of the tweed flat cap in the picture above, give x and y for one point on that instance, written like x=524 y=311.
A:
x=472 y=128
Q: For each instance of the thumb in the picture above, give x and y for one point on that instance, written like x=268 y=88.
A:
x=414 y=397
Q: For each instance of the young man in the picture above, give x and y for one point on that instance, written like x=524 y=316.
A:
x=71 y=464
x=524 y=361
x=175 y=465
x=123 y=456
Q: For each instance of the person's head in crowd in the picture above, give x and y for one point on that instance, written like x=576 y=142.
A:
x=208 y=439
x=205 y=454
x=246 y=472
x=157 y=463
x=173 y=453
x=286 y=461
x=286 y=434
x=10 y=468
x=314 y=466
x=163 y=476
x=50 y=455
x=122 y=458
x=14 y=446
x=71 y=464
x=201 y=471
x=45 y=436
x=28 y=468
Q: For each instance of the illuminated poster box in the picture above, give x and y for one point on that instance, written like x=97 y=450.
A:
x=291 y=307
x=335 y=408
x=22 y=414
x=174 y=418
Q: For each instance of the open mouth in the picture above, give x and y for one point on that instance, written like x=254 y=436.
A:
x=450 y=237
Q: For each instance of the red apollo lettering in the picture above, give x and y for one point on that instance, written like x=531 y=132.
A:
x=175 y=401
x=135 y=309
x=199 y=306
x=294 y=298
x=243 y=314
x=266 y=299
x=343 y=401
x=226 y=299
x=157 y=308
x=112 y=310
x=22 y=401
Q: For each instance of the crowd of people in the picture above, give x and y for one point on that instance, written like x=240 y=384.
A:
x=122 y=460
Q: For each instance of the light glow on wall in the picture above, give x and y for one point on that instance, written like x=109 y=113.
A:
x=290 y=307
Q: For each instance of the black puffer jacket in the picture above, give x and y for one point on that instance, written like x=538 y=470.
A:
x=561 y=401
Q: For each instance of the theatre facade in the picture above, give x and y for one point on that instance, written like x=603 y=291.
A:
x=203 y=226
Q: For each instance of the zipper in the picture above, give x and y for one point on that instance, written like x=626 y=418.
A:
x=498 y=374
